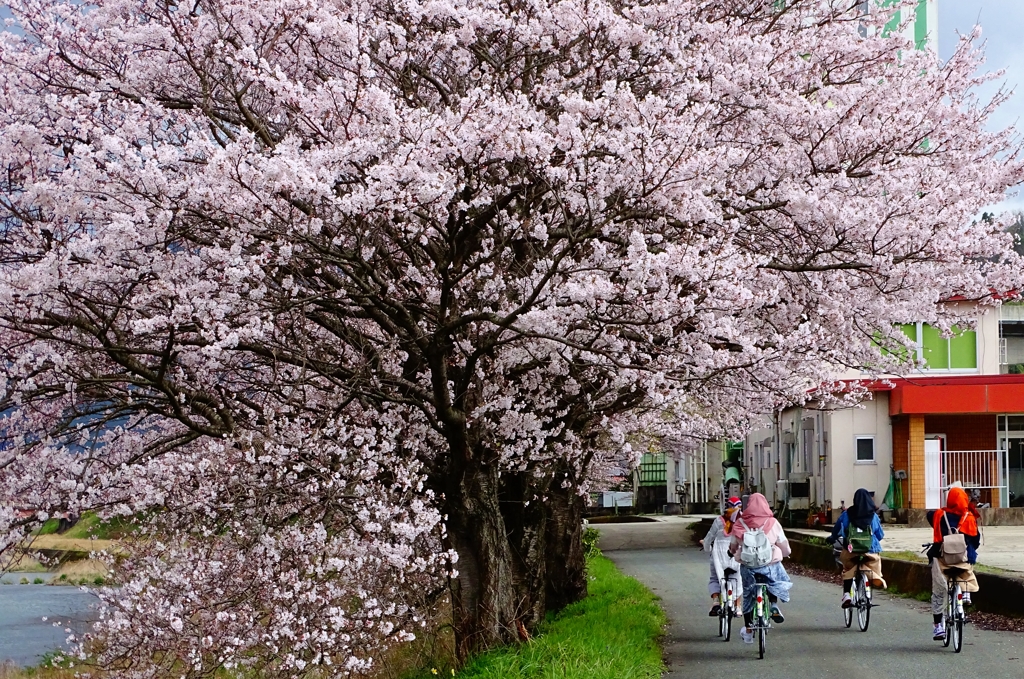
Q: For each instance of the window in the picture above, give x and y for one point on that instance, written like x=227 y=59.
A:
x=1011 y=339
x=865 y=449
x=653 y=468
x=959 y=352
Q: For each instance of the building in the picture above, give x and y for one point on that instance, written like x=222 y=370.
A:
x=677 y=478
x=960 y=418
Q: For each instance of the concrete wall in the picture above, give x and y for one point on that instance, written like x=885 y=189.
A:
x=761 y=459
x=1000 y=594
x=846 y=474
x=988 y=343
x=716 y=453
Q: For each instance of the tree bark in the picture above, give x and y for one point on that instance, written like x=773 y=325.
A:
x=485 y=601
x=525 y=513
x=520 y=549
x=565 y=564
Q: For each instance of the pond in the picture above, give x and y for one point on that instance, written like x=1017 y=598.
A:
x=24 y=636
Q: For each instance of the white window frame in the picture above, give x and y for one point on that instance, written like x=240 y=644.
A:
x=856 y=452
x=919 y=353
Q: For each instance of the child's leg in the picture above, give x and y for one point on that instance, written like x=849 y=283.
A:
x=938 y=590
x=714 y=586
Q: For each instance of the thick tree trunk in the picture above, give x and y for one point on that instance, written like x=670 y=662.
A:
x=545 y=526
x=565 y=565
x=525 y=513
x=519 y=542
x=486 y=603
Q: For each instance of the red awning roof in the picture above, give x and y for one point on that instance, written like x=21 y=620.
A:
x=954 y=394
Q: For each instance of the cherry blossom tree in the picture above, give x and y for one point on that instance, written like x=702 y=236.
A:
x=352 y=299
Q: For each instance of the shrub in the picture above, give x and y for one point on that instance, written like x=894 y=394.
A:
x=590 y=538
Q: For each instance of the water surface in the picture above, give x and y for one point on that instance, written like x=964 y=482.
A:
x=24 y=636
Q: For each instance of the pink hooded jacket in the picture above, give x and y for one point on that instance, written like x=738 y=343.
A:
x=759 y=515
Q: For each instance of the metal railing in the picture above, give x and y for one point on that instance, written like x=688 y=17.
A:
x=977 y=470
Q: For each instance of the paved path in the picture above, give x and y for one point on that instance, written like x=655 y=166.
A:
x=813 y=642
x=1002 y=546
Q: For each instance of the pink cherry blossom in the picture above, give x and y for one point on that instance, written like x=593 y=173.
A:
x=349 y=302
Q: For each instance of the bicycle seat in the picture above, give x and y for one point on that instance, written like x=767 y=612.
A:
x=729 y=571
x=762 y=579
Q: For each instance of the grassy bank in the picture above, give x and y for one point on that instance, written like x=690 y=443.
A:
x=91 y=527
x=612 y=634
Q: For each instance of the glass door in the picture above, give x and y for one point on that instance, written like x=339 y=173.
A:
x=1011 y=439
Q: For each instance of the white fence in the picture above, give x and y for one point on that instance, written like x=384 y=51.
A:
x=976 y=469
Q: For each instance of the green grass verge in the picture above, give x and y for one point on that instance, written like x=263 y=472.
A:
x=48 y=528
x=91 y=526
x=612 y=634
x=916 y=557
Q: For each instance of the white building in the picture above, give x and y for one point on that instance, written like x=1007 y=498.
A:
x=958 y=419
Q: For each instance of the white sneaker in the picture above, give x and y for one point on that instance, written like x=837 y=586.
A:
x=939 y=633
x=967 y=599
x=746 y=635
x=847 y=602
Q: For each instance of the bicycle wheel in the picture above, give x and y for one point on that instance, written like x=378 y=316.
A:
x=762 y=639
x=848 y=615
x=721 y=601
x=727 y=622
x=947 y=616
x=863 y=604
x=956 y=628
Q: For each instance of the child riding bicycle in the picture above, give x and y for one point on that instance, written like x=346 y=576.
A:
x=761 y=544
x=957 y=517
x=721 y=530
x=857 y=534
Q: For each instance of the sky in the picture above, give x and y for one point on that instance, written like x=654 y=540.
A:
x=1002 y=25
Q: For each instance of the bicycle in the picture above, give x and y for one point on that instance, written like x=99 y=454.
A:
x=860 y=595
x=953 y=617
x=762 y=621
x=953 y=612
x=730 y=589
